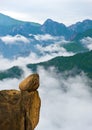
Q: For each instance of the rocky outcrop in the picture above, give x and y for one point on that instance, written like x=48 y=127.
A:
x=19 y=110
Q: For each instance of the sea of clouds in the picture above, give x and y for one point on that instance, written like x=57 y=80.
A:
x=66 y=102
x=40 y=45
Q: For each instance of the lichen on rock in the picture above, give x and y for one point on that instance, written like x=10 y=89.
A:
x=19 y=110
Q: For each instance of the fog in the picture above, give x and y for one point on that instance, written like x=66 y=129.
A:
x=87 y=42
x=32 y=58
x=55 y=49
x=37 y=52
x=8 y=39
x=66 y=102
x=42 y=47
x=45 y=37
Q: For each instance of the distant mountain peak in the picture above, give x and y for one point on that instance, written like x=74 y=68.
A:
x=81 y=26
x=11 y=26
x=49 y=20
x=87 y=21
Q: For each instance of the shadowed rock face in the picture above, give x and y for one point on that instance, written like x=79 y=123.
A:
x=19 y=110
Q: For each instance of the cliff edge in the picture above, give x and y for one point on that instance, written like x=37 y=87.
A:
x=19 y=110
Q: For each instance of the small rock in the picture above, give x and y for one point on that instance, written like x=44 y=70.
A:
x=31 y=83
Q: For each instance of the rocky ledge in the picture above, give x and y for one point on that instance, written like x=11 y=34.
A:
x=19 y=110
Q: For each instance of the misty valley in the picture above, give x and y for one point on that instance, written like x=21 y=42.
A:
x=62 y=56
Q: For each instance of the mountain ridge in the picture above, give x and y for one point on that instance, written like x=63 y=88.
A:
x=79 y=62
x=13 y=19
x=13 y=26
x=14 y=34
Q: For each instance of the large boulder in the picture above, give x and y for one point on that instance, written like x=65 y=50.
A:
x=31 y=83
x=19 y=110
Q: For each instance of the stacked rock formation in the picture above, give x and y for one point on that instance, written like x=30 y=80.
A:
x=19 y=110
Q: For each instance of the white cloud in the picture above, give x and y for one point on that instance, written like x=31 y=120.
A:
x=44 y=37
x=7 y=84
x=32 y=58
x=47 y=37
x=22 y=61
x=87 y=42
x=66 y=102
x=14 y=39
x=55 y=49
x=47 y=52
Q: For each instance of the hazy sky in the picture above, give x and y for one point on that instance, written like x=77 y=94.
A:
x=65 y=11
